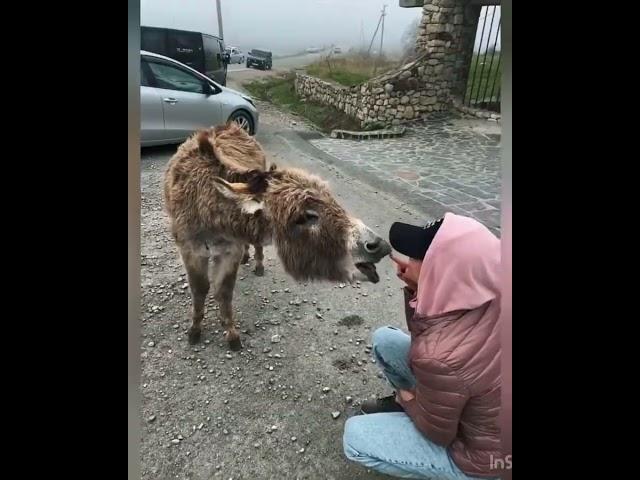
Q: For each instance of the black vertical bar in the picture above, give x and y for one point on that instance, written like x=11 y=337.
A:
x=493 y=55
x=486 y=48
x=484 y=23
x=497 y=78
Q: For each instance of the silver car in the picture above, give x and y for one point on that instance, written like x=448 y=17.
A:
x=235 y=55
x=176 y=101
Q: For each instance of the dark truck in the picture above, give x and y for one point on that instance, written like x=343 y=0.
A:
x=259 y=58
x=202 y=52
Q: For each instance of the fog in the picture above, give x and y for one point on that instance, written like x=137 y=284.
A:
x=488 y=33
x=286 y=26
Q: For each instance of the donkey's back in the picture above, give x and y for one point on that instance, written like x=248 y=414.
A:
x=225 y=151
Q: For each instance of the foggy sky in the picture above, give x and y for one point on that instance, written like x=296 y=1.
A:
x=285 y=26
x=488 y=34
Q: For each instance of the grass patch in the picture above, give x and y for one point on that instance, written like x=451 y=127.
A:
x=280 y=90
x=350 y=70
x=483 y=84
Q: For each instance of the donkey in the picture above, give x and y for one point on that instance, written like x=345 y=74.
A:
x=220 y=198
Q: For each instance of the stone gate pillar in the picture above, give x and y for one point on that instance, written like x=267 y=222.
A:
x=447 y=33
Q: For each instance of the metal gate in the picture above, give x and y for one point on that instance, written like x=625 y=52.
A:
x=485 y=72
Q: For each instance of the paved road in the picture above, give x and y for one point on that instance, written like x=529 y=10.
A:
x=446 y=164
x=284 y=63
x=237 y=74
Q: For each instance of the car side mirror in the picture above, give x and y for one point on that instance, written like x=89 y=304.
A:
x=226 y=57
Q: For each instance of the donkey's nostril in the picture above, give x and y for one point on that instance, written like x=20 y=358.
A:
x=373 y=246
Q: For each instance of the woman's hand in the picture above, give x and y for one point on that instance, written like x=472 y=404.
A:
x=407 y=272
x=405 y=396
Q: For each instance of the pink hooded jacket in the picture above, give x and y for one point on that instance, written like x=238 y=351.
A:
x=455 y=346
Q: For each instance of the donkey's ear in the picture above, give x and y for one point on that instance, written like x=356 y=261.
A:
x=256 y=184
x=231 y=190
x=242 y=194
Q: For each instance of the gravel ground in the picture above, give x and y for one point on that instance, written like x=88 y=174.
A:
x=275 y=410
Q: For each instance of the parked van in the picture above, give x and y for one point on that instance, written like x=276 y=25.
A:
x=202 y=52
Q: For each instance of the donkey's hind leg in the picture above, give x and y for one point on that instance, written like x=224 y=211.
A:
x=196 y=263
x=226 y=261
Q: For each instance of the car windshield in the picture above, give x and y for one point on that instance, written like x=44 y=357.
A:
x=260 y=53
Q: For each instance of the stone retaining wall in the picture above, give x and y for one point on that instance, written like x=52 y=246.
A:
x=475 y=112
x=389 y=99
x=429 y=84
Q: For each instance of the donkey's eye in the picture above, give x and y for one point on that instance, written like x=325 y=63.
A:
x=309 y=217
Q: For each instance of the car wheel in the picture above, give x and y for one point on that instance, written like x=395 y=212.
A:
x=243 y=119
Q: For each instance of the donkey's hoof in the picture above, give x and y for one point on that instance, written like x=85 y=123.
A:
x=235 y=345
x=259 y=271
x=194 y=335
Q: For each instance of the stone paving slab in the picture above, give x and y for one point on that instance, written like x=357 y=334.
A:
x=440 y=165
x=369 y=135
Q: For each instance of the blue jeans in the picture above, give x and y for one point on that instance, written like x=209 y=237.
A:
x=389 y=442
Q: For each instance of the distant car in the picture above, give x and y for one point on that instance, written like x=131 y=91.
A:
x=337 y=50
x=176 y=100
x=235 y=55
x=313 y=50
x=260 y=58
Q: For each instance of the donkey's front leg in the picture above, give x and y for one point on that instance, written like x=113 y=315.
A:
x=246 y=257
x=259 y=270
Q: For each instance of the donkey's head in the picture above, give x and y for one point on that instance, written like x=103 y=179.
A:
x=315 y=237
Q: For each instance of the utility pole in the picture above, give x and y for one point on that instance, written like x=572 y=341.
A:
x=220 y=34
x=380 y=22
x=374 y=36
x=384 y=8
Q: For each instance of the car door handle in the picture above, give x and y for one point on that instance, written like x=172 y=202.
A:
x=171 y=101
